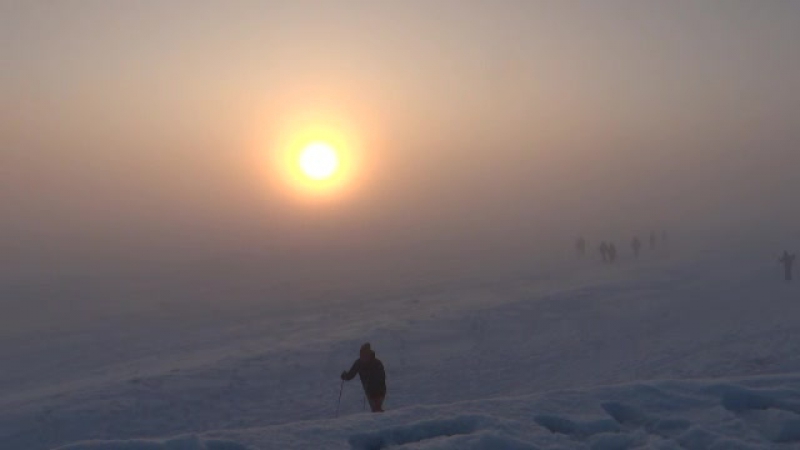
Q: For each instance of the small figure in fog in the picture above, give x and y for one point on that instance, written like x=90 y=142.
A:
x=636 y=245
x=373 y=377
x=612 y=253
x=580 y=246
x=604 y=251
x=653 y=240
x=787 y=260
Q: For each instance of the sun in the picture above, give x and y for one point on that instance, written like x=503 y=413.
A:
x=313 y=160
x=319 y=161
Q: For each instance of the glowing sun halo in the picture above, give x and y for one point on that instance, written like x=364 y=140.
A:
x=319 y=161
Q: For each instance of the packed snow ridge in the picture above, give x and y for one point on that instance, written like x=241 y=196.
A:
x=754 y=413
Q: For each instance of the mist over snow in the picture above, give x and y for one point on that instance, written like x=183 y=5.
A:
x=687 y=350
x=174 y=275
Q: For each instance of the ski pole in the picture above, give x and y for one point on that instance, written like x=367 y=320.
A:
x=341 y=388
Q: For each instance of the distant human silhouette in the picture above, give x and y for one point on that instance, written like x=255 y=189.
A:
x=580 y=246
x=653 y=240
x=612 y=253
x=604 y=251
x=636 y=245
x=373 y=377
x=787 y=260
x=664 y=243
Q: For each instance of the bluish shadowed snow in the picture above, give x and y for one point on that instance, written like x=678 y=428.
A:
x=659 y=354
x=658 y=414
x=179 y=443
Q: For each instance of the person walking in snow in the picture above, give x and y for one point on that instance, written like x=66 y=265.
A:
x=787 y=260
x=373 y=377
x=612 y=253
x=636 y=244
x=604 y=251
x=653 y=240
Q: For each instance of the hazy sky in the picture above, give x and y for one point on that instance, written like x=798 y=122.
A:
x=142 y=131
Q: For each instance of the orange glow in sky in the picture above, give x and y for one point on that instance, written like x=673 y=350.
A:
x=314 y=158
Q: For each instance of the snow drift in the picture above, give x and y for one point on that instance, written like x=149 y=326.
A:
x=696 y=354
x=752 y=413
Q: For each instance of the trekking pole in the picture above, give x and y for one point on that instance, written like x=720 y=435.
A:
x=341 y=388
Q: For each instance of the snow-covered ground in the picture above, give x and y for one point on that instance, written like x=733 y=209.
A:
x=680 y=352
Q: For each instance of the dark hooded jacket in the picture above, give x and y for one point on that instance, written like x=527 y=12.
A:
x=372 y=375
